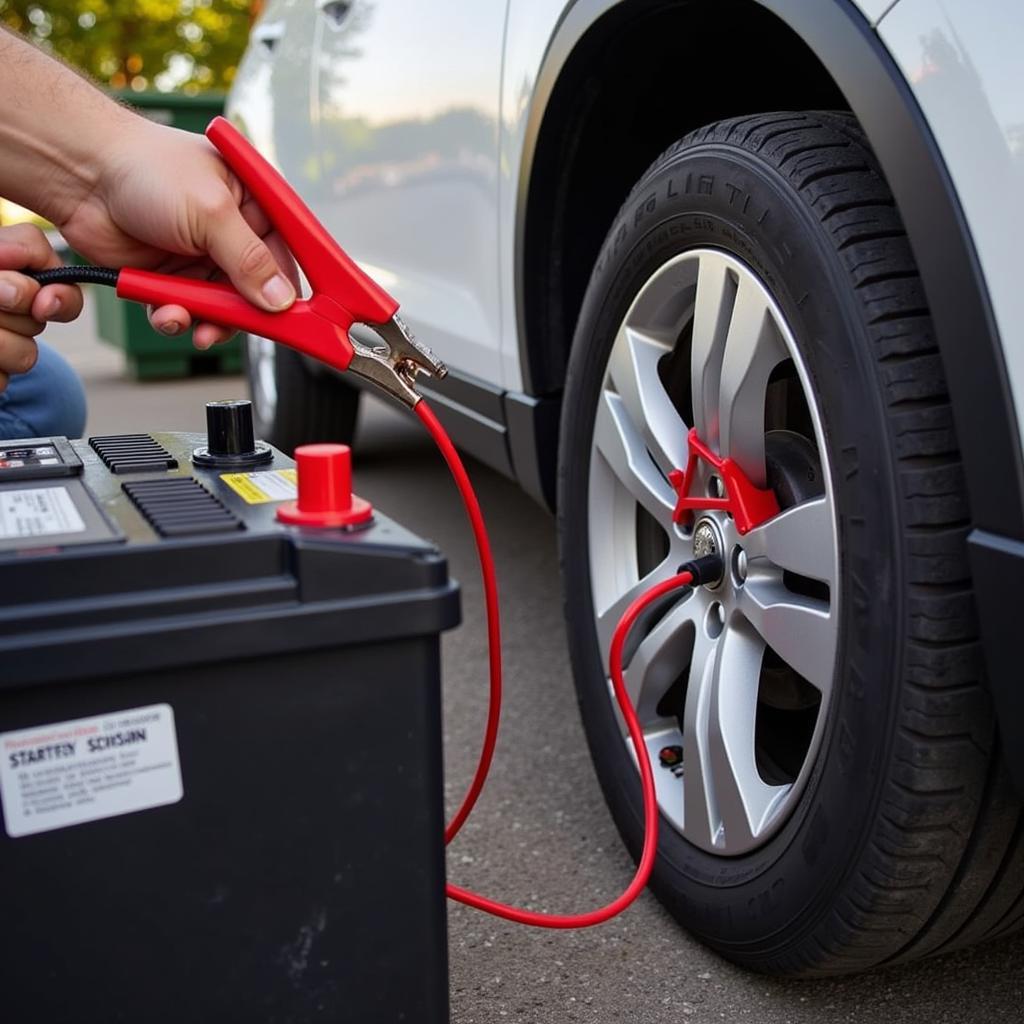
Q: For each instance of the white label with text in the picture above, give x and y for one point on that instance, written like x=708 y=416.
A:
x=38 y=512
x=53 y=776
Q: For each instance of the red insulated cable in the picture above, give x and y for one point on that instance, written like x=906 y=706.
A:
x=483 y=548
x=650 y=844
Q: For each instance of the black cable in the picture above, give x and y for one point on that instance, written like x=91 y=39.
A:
x=75 y=275
x=706 y=569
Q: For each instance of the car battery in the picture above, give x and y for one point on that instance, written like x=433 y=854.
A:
x=220 y=735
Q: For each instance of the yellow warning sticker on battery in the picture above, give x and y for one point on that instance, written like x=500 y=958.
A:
x=266 y=485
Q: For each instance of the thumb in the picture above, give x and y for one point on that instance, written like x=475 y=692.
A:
x=246 y=259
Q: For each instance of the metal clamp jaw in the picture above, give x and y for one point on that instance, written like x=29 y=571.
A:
x=394 y=365
x=342 y=294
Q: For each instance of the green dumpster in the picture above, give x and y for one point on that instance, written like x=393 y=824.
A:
x=147 y=352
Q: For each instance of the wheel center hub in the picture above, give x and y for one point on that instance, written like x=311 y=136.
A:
x=707 y=540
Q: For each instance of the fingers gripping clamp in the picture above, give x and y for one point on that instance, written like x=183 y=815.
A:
x=342 y=294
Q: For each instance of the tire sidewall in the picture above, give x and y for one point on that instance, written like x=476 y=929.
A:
x=716 y=196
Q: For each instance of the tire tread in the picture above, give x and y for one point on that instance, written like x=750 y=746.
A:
x=949 y=835
x=939 y=803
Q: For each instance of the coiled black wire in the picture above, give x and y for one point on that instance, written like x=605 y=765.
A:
x=75 y=275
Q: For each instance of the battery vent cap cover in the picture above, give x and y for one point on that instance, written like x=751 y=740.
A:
x=229 y=437
x=325 y=489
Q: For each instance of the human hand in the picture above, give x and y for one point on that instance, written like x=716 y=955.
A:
x=166 y=201
x=24 y=305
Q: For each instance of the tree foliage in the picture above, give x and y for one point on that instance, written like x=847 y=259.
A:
x=192 y=45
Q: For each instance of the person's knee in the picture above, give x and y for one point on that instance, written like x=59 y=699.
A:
x=49 y=400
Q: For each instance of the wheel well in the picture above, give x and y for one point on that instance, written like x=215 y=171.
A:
x=644 y=74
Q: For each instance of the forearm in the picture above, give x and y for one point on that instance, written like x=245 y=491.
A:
x=53 y=132
x=126 y=192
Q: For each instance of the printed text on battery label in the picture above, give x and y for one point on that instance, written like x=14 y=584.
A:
x=262 y=486
x=38 y=512
x=52 y=776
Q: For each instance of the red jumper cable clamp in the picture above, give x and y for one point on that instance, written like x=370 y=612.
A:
x=319 y=327
x=750 y=506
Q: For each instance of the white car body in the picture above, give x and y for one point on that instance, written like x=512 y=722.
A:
x=456 y=279
x=412 y=131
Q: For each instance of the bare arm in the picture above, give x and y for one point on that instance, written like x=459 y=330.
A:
x=127 y=192
x=53 y=132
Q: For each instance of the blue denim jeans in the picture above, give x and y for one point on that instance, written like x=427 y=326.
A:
x=49 y=400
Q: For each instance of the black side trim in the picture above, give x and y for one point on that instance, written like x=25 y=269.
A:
x=997 y=565
x=476 y=396
x=513 y=433
x=472 y=412
x=533 y=443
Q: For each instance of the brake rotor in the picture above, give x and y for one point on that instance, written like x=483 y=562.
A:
x=793 y=468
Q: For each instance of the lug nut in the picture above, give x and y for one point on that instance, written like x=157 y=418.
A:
x=739 y=561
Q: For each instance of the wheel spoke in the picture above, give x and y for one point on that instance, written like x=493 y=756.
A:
x=744 y=800
x=634 y=370
x=801 y=630
x=608 y=618
x=727 y=803
x=661 y=656
x=618 y=440
x=801 y=540
x=716 y=292
x=701 y=819
x=752 y=350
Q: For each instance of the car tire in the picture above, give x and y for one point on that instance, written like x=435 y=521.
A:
x=293 y=404
x=901 y=835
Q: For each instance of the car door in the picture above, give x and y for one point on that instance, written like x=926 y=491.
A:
x=406 y=102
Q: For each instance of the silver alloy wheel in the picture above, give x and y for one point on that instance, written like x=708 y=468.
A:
x=718 y=798
x=262 y=355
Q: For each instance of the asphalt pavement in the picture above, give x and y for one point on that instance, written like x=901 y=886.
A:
x=541 y=836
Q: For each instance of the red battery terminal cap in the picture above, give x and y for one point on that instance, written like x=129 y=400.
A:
x=325 y=489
